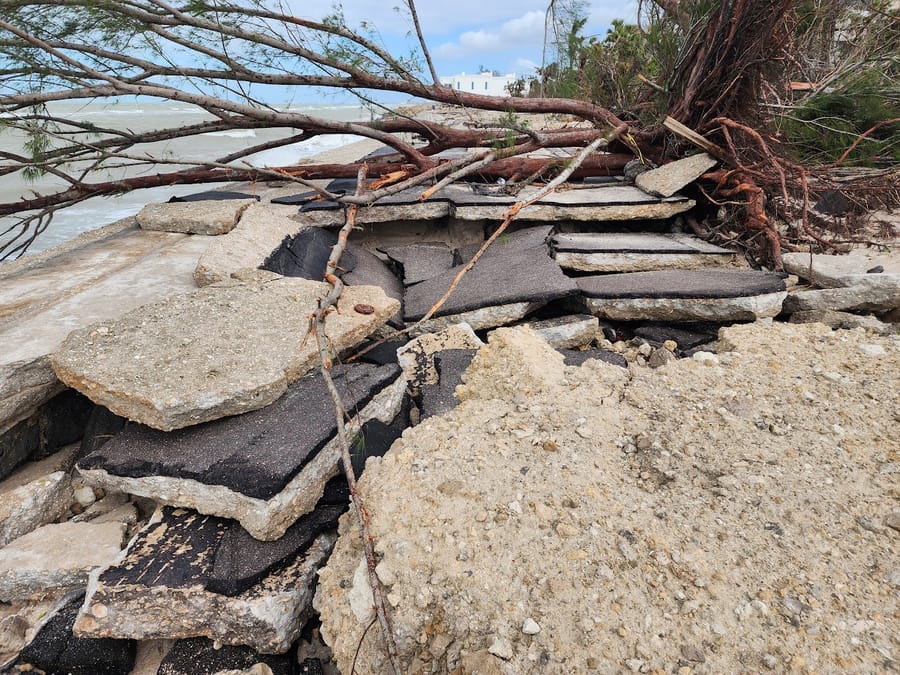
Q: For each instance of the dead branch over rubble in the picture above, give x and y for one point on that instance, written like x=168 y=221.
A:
x=328 y=303
x=727 y=62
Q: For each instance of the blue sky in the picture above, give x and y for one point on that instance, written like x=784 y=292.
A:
x=464 y=34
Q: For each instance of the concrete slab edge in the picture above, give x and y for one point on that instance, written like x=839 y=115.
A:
x=748 y=308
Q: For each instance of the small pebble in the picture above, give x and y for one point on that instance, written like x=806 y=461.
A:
x=566 y=530
x=871 y=350
x=634 y=665
x=892 y=520
x=660 y=357
x=531 y=627
x=693 y=653
x=501 y=648
x=706 y=358
x=85 y=496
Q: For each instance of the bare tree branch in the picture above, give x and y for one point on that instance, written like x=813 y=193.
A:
x=435 y=80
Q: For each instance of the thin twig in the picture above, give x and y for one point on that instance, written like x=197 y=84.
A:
x=510 y=214
x=415 y=17
x=466 y=170
x=328 y=303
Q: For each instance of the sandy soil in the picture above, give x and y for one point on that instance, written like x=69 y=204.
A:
x=722 y=514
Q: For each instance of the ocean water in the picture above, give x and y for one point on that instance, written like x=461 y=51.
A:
x=142 y=117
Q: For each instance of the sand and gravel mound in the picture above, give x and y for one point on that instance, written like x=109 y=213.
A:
x=725 y=513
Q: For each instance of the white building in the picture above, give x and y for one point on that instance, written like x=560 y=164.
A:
x=483 y=83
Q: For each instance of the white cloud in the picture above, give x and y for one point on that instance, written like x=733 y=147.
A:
x=522 y=32
x=463 y=33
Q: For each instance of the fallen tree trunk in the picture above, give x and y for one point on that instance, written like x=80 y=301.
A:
x=511 y=168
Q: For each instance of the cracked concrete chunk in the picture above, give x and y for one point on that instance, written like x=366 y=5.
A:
x=834 y=271
x=567 y=332
x=687 y=295
x=195 y=217
x=262 y=227
x=98 y=276
x=37 y=503
x=157 y=588
x=636 y=252
x=58 y=556
x=265 y=468
x=371 y=270
x=222 y=350
x=416 y=357
x=36 y=494
x=517 y=355
x=871 y=292
x=668 y=179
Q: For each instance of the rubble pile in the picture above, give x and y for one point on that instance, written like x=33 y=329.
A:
x=170 y=456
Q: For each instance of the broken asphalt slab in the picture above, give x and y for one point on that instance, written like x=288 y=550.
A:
x=55 y=649
x=439 y=397
x=241 y=561
x=202 y=656
x=306 y=255
x=511 y=241
x=684 y=295
x=529 y=277
x=605 y=203
x=463 y=202
x=420 y=261
x=157 y=588
x=265 y=468
x=57 y=423
x=222 y=350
